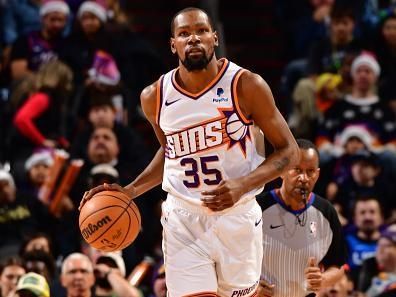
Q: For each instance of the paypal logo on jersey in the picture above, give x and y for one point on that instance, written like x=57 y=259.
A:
x=220 y=99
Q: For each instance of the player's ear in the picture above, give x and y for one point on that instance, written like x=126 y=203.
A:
x=172 y=45
x=216 y=38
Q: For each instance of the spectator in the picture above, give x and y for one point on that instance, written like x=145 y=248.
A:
x=20 y=17
x=361 y=108
x=32 y=285
x=38 y=47
x=40 y=262
x=11 y=269
x=110 y=277
x=104 y=148
x=37 y=168
x=88 y=36
x=352 y=140
x=303 y=22
x=18 y=216
x=385 y=280
x=365 y=179
x=39 y=120
x=343 y=288
x=326 y=56
x=77 y=275
x=102 y=113
x=103 y=173
x=370 y=267
x=362 y=241
x=158 y=282
x=385 y=50
x=39 y=241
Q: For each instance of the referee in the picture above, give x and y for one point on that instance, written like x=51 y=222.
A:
x=302 y=237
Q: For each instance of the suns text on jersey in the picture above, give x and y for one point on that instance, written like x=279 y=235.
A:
x=195 y=139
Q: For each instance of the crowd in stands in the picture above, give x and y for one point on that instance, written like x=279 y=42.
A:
x=71 y=75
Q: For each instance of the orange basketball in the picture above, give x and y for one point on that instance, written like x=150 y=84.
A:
x=109 y=221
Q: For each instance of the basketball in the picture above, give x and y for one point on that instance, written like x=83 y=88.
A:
x=236 y=130
x=109 y=221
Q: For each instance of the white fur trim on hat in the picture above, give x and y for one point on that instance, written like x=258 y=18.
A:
x=5 y=175
x=38 y=158
x=105 y=169
x=367 y=60
x=90 y=6
x=355 y=131
x=54 y=6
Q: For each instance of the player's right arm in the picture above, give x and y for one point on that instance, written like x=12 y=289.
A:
x=152 y=174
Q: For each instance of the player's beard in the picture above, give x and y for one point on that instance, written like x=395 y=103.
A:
x=199 y=63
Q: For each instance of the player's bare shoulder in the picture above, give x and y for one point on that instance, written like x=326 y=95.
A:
x=250 y=83
x=148 y=100
x=253 y=91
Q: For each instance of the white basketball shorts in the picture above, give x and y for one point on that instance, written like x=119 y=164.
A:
x=209 y=253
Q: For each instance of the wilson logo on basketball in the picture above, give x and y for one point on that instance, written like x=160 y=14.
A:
x=92 y=228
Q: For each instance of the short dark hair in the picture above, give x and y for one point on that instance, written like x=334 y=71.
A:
x=188 y=9
x=306 y=144
x=28 y=239
x=365 y=198
x=339 y=11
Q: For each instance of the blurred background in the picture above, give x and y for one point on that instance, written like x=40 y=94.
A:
x=70 y=118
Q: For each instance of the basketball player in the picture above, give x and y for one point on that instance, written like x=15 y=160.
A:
x=302 y=237
x=203 y=114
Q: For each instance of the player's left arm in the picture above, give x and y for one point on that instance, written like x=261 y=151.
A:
x=257 y=103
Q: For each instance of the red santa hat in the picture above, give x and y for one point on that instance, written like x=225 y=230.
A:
x=49 y=6
x=97 y=8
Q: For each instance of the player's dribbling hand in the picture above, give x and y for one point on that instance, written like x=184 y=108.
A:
x=265 y=289
x=224 y=196
x=313 y=275
x=105 y=187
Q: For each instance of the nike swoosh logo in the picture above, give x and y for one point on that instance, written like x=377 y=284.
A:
x=257 y=223
x=167 y=103
x=274 y=227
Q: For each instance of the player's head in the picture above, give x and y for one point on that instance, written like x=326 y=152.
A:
x=193 y=38
x=302 y=177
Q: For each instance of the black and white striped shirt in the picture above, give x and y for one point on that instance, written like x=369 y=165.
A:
x=290 y=240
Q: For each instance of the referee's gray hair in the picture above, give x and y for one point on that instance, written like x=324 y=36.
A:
x=76 y=256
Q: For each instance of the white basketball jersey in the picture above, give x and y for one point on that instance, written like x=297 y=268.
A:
x=208 y=139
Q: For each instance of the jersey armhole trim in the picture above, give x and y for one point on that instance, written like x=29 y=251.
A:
x=159 y=99
x=235 y=98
